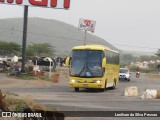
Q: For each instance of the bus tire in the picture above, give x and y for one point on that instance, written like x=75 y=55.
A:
x=114 y=85
x=103 y=89
x=76 y=89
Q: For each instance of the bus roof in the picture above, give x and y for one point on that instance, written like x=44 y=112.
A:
x=92 y=47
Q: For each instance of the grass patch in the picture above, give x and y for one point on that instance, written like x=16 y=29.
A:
x=26 y=77
x=31 y=77
x=16 y=104
x=11 y=93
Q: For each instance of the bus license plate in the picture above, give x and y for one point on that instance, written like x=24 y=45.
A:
x=85 y=85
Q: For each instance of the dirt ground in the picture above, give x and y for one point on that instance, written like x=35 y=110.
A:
x=11 y=81
x=7 y=82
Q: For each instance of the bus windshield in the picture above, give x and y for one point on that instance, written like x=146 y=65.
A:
x=86 y=63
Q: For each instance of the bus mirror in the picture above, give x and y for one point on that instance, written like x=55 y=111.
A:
x=67 y=62
x=103 y=62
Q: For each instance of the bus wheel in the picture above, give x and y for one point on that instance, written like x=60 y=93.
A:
x=114 y=85
x=103 y=89
x=76 y=89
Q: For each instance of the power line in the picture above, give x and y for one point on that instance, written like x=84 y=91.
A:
x=135 y=46
x=12 y=29
x=42 y=34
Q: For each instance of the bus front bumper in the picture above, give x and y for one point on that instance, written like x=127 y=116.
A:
x=86 y=85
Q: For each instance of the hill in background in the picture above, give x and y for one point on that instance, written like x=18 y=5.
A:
x=138 y=53
x=60 y=35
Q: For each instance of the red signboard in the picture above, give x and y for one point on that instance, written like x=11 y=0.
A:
x=44 y=3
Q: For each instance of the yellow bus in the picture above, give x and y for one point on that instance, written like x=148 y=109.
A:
x=93 y=66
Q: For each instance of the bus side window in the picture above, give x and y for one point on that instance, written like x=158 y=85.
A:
x=108 y=57
x=70 y=61
x=112 y=57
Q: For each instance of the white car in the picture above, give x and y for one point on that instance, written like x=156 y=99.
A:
x=124 y=74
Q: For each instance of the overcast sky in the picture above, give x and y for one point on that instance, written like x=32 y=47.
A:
x=120 y=22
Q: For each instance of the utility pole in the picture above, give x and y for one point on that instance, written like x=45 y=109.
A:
x=24 y=37
x=85 y=37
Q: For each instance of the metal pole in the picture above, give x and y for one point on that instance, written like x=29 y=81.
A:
x=50 y=68
x=24 y=37
x=36 y=68
x=85 y=37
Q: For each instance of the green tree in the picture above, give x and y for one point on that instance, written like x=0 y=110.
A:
x=147 y=58
x=144 y=58
x=7 y=48
x=158 y=53
x=126 y=59
x=40 y=49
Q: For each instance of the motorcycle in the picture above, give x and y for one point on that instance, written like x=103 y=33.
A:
x=137 y=74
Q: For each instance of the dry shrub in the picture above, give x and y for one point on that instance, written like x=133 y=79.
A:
x=16 y=104
x=34 y=105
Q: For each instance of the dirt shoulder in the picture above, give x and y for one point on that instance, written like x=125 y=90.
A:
x=12 y=82
x=152 y=76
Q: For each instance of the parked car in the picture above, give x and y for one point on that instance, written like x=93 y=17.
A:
x=124 y=74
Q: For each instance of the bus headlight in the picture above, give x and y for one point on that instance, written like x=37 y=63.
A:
x=73 y=81
x=96 y=81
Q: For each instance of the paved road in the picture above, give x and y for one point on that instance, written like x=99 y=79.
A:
x=63 y=98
